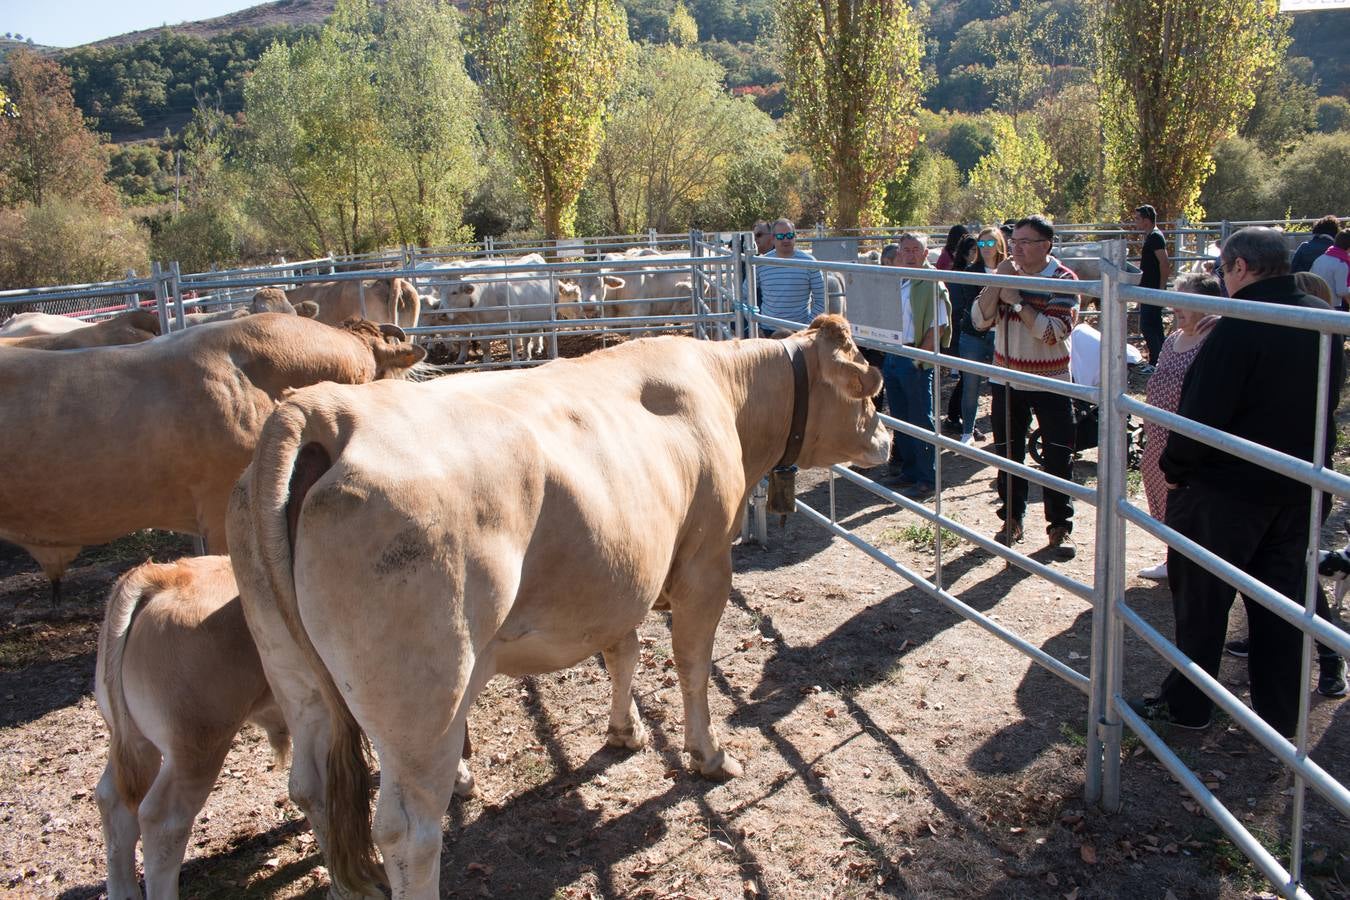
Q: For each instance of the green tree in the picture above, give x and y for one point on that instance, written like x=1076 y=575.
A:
x=46 y=152
x=854 y=82
x=551 y=67
x=1311 y=179
x=928 y=192
x=682 y=30
x=1014 y=180
x=672 y=136
x=1333 y=114
x=1284 y=110
x=1239 y=188
x=1178 y=76
x=427 y=104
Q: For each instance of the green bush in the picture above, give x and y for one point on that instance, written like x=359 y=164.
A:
x=1239 y=189
x=67 y=242
x=214 y=233
x=1311 y=179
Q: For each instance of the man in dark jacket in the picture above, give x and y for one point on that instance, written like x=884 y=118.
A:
x=1324 y=232
x=1258 y=382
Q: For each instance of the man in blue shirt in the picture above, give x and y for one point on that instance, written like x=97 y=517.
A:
x=797 y=295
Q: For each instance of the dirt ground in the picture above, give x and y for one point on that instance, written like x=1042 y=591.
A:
x=890 y=747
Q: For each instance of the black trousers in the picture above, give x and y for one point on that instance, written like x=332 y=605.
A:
x=1267 y=542
x=1151 y=324
x=1013 y=409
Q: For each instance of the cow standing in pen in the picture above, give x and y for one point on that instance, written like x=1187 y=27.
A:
x=397 y=545
x=98 y=443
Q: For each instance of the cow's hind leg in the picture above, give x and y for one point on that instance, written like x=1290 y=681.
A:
x=625 y=726
x=167 y=813
x=121 y=831
x=698 y=597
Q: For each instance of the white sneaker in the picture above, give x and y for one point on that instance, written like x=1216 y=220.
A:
x=1155 y=573
x=968 y=439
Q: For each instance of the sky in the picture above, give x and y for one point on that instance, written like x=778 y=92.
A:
x=69 y=23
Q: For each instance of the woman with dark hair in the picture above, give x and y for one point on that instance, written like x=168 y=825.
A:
x=983 y=254
x=948 y=255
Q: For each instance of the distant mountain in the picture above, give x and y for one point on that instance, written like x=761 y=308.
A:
x=9 y=45
x=264 y=15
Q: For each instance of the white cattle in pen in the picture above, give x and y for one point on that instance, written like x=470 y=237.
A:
x=634 y=283
x=497 y=302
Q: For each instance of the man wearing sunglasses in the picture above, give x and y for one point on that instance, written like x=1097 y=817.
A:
x=797 y=295
x=1031 y=332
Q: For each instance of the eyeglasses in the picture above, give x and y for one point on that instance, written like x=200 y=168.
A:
x=785 y=235
x=987 y=242
x=1022 y=242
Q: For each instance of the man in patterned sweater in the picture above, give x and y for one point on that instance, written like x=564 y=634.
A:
x=1031 y=335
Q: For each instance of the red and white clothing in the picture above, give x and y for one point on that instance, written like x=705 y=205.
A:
x=1042 y=348
x=1164 y=392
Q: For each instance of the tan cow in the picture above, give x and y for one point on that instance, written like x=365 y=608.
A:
x=340 y=300
x=98 y=443
x=266 y=300
x=27 y=324
x=133 y=327
x=409 y=541
x=177 y=677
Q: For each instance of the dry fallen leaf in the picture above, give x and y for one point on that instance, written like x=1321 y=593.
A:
x=1088 y=853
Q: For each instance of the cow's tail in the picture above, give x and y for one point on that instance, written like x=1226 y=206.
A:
x=294 y=451
x=134 y=769
x=405 y=300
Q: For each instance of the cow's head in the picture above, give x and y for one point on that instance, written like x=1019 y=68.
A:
x=394 y=354
x=842 y=423
x=272 y=300
x=458 y=295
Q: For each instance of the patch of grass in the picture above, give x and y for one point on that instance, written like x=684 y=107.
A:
x=1078 y=738
x=919 y=536
x=1229 y=859
x=1134 y=482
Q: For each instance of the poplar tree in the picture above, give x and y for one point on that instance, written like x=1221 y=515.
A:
x=854 y=83
x=1178 y=76
x=552 y=67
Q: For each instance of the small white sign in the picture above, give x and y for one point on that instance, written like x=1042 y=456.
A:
x=1292 y=6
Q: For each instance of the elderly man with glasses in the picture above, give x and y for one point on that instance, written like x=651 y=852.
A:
x=1259 y=382
x=797 y=295
x=1031 y=332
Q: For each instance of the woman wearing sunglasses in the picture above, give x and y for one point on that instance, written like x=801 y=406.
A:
x=985 y=251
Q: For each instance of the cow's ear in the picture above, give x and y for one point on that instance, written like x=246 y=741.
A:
x=307 y=309
x=614 y=281
x=841 y=363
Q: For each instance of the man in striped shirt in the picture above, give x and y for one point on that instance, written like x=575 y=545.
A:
x=1031 y=330
x=797 y=295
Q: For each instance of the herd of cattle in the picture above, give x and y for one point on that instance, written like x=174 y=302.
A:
x=384 y=546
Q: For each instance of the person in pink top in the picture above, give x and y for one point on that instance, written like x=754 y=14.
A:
x=1164 y=391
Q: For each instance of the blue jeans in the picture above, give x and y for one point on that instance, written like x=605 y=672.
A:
x=980 y=348
x=909 y=393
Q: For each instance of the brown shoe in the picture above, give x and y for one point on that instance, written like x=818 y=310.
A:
x=1009 y=534
x=1061 y=541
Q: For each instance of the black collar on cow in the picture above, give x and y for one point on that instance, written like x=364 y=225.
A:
x=800 y=397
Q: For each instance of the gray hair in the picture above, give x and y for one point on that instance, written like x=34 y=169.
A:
x=888 y=252
x=1263 y=249
x=917 y=236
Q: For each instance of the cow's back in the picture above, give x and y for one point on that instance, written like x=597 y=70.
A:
x=149 y=435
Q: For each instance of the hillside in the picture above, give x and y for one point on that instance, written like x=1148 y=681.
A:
x=281 y=13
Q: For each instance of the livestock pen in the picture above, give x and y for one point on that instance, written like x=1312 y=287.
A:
x=876 y=731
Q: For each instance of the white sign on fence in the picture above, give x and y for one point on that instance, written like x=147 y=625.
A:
x=1292 y=6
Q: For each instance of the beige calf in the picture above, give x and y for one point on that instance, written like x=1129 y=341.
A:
x=177 y=677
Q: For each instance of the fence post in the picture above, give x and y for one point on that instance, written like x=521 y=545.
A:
x=134 y=300
x=695 y=288
x=740 y=270
x=162 y=307
x=177 y=294
x=1102 y=782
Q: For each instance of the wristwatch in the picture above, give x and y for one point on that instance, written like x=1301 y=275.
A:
x=1017 y=307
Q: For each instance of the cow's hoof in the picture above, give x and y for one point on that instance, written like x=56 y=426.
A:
x=634 y=738
x=465 y=786
x=720 y=768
